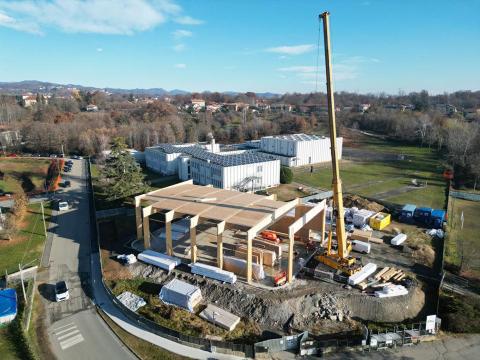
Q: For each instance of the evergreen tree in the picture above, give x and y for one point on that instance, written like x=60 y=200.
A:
x=122 y=173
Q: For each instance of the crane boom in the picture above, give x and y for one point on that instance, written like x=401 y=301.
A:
x=336 y=182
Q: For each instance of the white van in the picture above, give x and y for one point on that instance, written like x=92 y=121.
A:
x=361 y=246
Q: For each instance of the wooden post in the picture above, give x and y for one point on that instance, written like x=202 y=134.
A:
x=220 y=230
x=250 y=237
x=193 y=238
x=146 y=232
x=291 y=238
x=138 y=217
x=168 y=232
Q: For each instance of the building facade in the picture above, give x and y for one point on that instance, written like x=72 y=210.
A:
x=298 y=149
x=206 y=165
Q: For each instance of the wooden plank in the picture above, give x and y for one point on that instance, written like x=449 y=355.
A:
x=381 y=272
x=375 y=240
x=241 y=254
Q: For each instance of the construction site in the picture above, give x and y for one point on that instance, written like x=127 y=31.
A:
x=229 y=257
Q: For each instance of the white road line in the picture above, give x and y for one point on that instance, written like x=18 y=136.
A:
x=63 y=326
x=72 y=341
x=67 y=335
x=66 y=330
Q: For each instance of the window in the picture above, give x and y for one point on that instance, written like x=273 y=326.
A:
x=259 y=168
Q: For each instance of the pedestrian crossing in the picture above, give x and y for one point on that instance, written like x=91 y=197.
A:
x=68 y=335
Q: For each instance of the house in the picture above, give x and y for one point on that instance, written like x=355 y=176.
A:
x=92 y=107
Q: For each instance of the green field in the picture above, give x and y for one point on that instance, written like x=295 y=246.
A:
x=386 y=180
x=28 y=173
x=27 y=247
x=464 y=241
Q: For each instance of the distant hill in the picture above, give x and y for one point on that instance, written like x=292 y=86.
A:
x=35 y=86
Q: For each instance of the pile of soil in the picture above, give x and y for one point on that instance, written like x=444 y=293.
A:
x=361 y=203
x=424 y=254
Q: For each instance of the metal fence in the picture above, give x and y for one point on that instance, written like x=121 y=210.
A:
x=465 y=195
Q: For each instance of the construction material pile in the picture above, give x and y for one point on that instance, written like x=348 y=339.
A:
x=181 y=293
x=327 y=308
x=163 y=261
x=385 y=283
x=361 y=203
x=131 y=301
x=213 y=272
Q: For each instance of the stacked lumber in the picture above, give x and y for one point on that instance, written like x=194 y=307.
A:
x=366 y=236
x=267 y=257
x=390 y=274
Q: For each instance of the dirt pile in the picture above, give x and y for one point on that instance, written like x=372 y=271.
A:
x=361 y=203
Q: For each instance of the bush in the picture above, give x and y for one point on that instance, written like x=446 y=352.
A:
x=286 y=175
x=460 y=314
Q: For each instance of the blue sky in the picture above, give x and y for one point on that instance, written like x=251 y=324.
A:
x=247 y=45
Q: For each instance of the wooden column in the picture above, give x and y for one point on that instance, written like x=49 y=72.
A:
x=291 y=238
x=324 y=218
x=220 y=230
x=193 y=238
x=138 y=217
x=168 y=232
x=250 y=237
x=146 y=226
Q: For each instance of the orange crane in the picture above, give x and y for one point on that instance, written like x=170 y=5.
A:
x=341 y=259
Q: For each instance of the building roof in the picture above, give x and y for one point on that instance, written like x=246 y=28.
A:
x=223 y=160
x=236 y=208
x=297 y=137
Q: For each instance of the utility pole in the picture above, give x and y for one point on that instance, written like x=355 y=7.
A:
x=23 y=285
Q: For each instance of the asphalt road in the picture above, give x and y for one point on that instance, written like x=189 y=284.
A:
x=74 y=328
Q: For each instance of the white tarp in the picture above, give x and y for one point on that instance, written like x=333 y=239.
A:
x=391 y=290
x=131 y=301
x=363 y=274
x=163 y=261
x=399 y=239
x=220 y=317
x=181 y=293
x=128 y=259
x=361 y=217
x=214 y=273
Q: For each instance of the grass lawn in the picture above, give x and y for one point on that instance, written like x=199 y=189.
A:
x=179 y=319
x=377 y=178
x=143 y=349
x=28 y=173
x=27 y=246
x=464 y=240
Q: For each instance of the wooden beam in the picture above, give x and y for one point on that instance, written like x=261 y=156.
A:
x=220 y=230
x=285 y=208
x=307 y=217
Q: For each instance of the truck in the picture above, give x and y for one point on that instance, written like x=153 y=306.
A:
x=437 y=218
x=406 y=214
x=423 y=215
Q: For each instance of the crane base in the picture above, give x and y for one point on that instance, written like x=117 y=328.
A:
x=346 y=265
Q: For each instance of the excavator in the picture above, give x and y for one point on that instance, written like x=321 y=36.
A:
x=340 y=260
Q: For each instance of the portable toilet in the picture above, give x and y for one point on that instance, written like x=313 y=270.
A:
x=423 y=215
x=406 y=215
x=438 y=217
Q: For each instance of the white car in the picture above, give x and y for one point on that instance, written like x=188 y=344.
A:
x=61 y=291
x=62 y=205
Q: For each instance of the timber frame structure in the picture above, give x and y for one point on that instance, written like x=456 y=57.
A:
x=229 y=210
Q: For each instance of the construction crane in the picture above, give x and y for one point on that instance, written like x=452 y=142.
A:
x=340 y=259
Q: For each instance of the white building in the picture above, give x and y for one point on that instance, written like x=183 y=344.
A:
x=299 y=149
x=206 y=165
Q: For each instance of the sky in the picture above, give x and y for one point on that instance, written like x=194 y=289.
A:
x=378 y=46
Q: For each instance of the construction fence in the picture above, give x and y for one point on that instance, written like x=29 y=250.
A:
x=465 y=195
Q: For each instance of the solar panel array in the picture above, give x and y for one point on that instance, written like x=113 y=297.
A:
x=248 y=157
x=299 y=137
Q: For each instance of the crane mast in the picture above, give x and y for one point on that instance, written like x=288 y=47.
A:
x=336 y=182
x=340 y=260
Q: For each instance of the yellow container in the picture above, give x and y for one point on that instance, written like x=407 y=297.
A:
x=380 y=221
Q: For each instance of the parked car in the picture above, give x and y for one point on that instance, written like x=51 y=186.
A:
x=66 y=184
x=62 y=205
x=61 y=291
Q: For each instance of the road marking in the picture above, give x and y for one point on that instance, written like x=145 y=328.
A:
x=65 y=330
x=64 y=326
x=72 y=341
x=68 y=335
